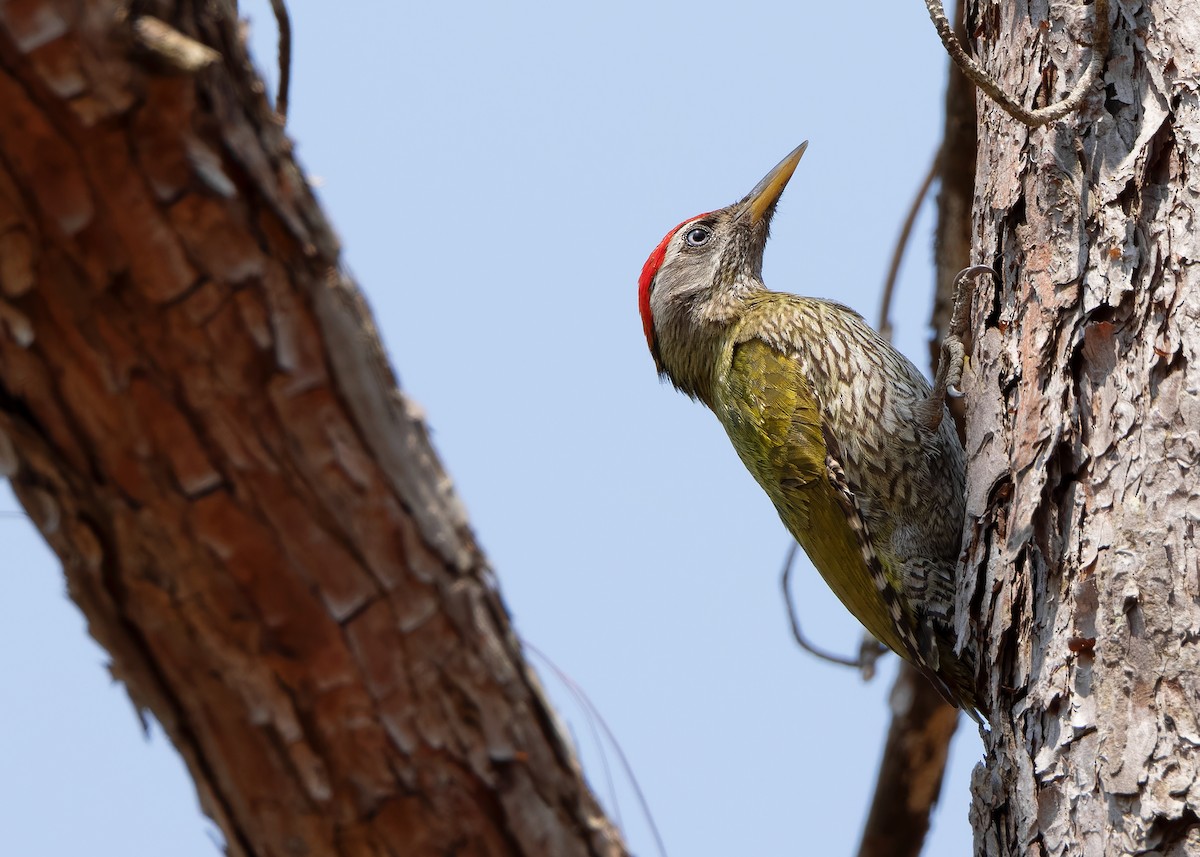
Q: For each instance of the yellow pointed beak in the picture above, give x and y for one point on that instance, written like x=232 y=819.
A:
x=767 y=192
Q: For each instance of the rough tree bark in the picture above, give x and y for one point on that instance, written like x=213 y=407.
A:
x=196 y=412
x=1083 y=434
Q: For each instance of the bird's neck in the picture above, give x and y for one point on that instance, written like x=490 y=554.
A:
x=693 y=337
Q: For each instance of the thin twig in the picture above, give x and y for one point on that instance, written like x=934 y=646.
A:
x=592 y=711
x=284 y=22
x=1101 y=33
x=866 y=659
x=889 y=285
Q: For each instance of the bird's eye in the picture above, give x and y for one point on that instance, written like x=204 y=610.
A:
x=697 y=236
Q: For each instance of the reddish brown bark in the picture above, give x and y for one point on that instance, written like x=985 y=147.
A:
x=197 y=413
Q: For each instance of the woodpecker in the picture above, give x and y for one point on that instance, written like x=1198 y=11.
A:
x=856 y=451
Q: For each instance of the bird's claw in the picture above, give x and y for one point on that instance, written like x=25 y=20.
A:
x=955 y=360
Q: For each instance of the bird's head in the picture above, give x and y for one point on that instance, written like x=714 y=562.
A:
x=700 y=271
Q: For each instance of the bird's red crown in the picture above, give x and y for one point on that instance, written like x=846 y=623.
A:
x=649 y=271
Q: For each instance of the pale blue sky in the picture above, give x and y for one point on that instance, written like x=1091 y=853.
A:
x=498 y=174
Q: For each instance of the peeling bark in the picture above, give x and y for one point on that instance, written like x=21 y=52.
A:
x=197 y=413
x=1083 y=421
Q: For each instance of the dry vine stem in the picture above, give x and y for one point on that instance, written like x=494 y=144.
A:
x=1101 y=32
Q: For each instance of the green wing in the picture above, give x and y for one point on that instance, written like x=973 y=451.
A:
x=774 y=420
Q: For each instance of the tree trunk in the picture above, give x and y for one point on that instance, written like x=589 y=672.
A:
x=1083 y=430
x=197 y=413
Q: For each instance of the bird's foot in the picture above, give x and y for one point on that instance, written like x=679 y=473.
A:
x=953 y=357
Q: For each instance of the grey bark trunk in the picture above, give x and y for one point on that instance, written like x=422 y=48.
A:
x=1083 y=437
